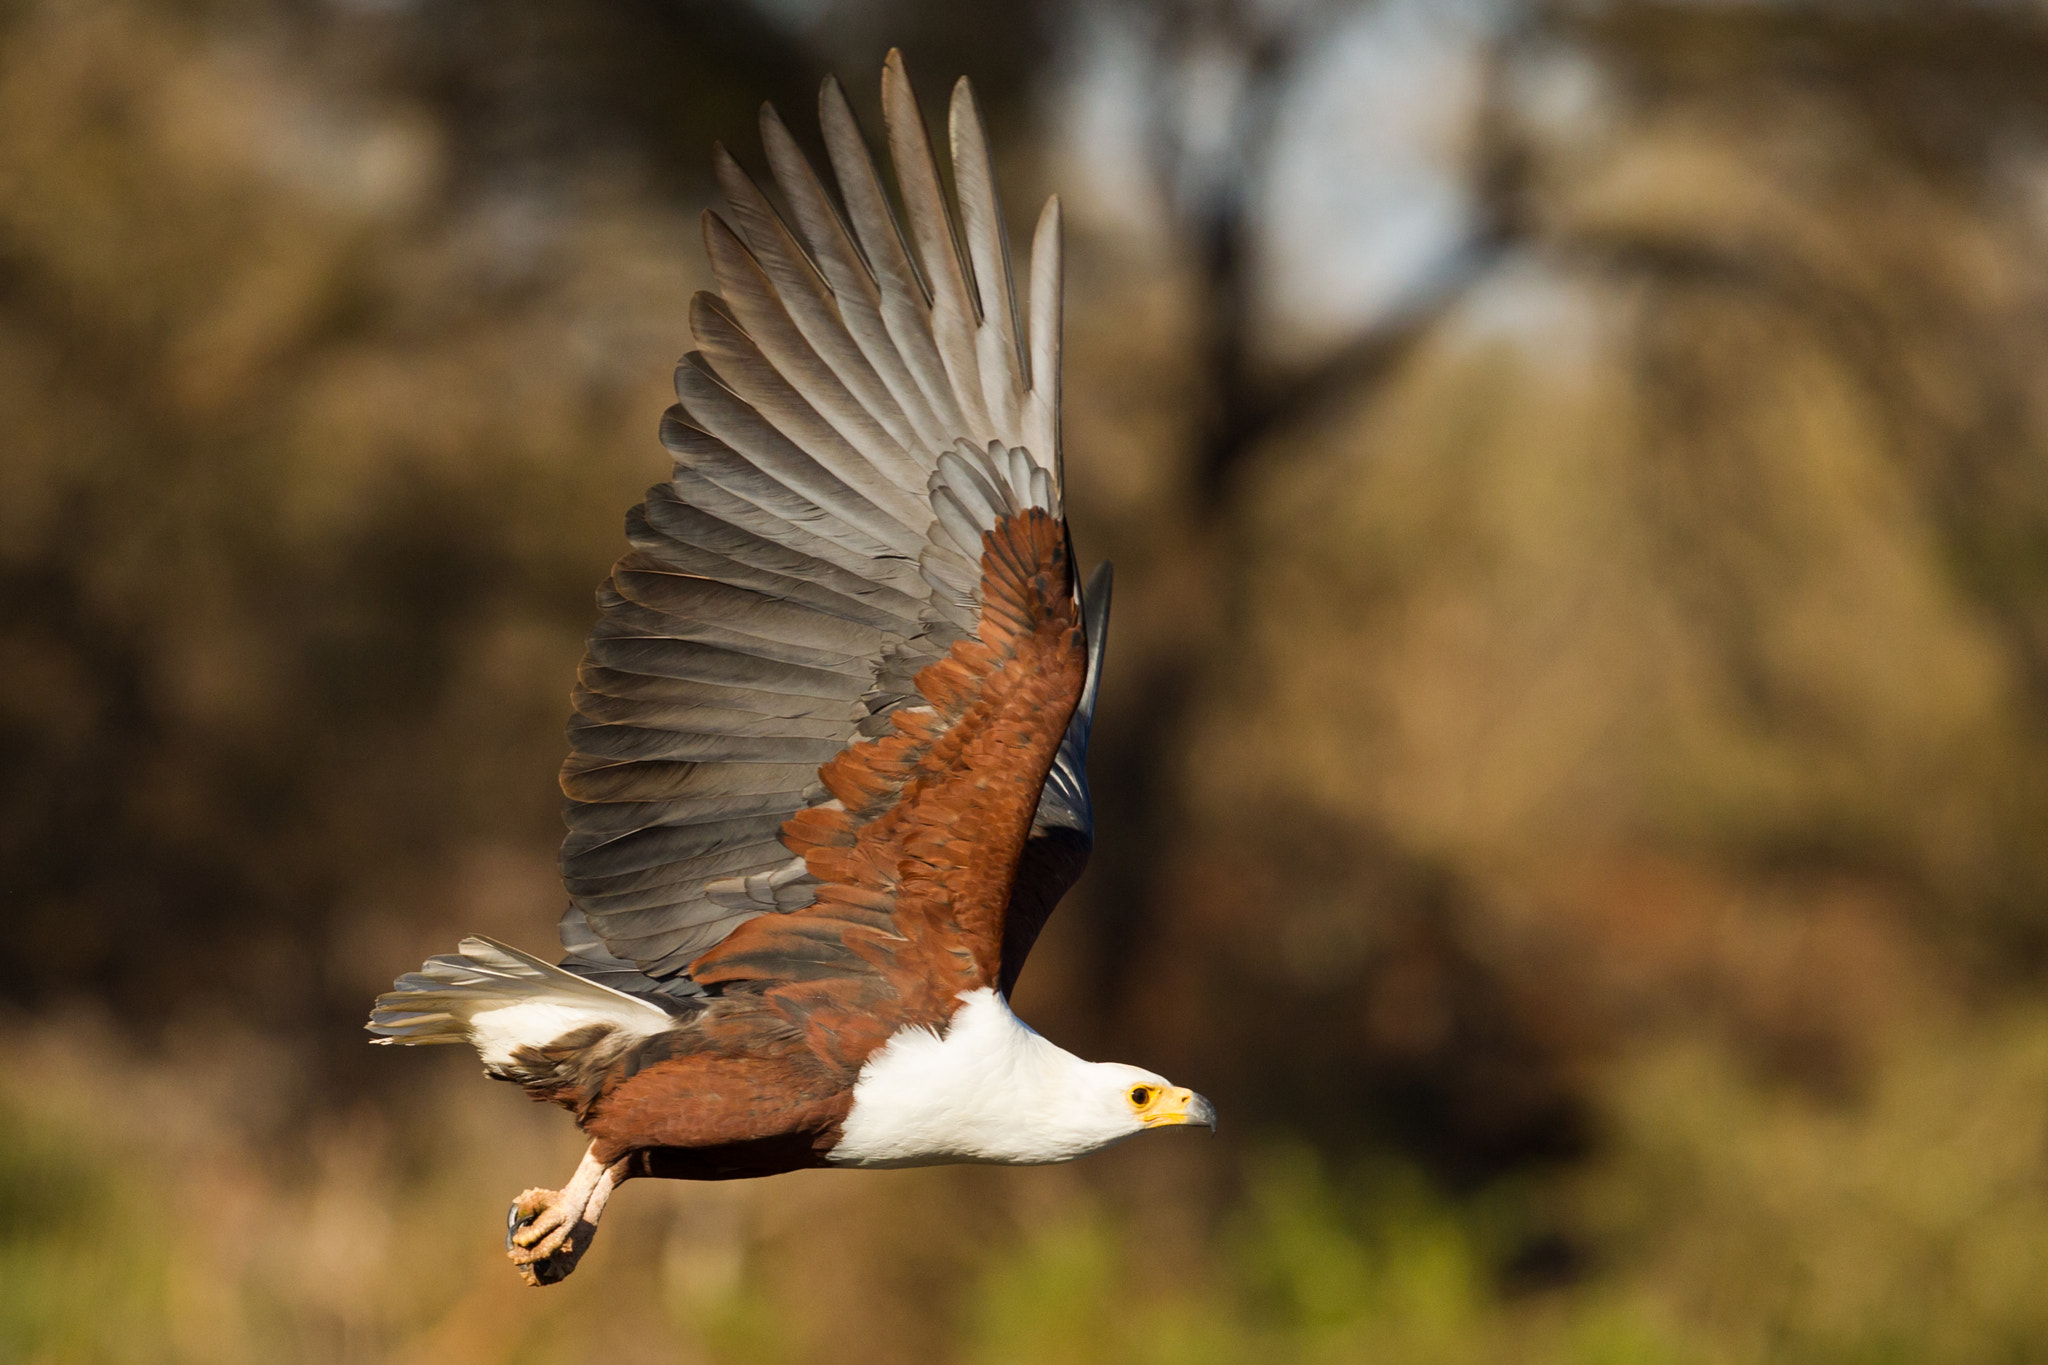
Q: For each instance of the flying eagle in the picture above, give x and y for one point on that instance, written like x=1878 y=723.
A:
x=827 y=772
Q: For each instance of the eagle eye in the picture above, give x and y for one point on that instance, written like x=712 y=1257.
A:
x=1141 y=1095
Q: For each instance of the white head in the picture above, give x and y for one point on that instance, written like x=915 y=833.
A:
x=992 y=1090
x=1100 y=1104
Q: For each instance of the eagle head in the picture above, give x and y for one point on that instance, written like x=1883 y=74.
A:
x=990 y=1089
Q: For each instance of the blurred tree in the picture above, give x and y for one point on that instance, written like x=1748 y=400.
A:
x=1807 y=241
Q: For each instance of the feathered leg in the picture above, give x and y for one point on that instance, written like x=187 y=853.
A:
x=548 y=1231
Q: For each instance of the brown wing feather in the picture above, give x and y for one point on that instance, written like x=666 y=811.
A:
x=918 y=850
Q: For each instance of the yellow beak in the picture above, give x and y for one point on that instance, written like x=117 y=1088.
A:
x=1179 y=1106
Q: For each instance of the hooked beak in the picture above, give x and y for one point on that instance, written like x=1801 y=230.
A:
x=1179 y=1107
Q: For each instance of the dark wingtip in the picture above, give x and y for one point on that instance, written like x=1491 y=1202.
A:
x=1101 y=584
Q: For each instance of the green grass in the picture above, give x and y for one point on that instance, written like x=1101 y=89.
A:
x=1728 y=1219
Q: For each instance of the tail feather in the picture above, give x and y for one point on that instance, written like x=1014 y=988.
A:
x=505 y=1002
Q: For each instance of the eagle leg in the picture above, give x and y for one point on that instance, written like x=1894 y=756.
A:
x=547 y=1231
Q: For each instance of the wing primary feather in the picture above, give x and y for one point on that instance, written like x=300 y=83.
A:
x=750 y=617
x=622 y=796
x=630 y=619
x=633 y=685
x=954 y=313
x=867 y=462
x=704 y=469
x=999 y=345
x=635 y=743
x=874 y=223
x=904 y=304
x=630 y=648
x=700 y=718
x=655 y=552
x=1042 y=409
x=830 y=415
x=696 y=540
x=681 y=837
x=848 y=275
x=806 y=294
x=776 y=469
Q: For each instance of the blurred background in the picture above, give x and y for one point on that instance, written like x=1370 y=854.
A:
x=1573 y=775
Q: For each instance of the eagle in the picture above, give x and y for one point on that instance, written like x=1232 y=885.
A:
x=827 y=773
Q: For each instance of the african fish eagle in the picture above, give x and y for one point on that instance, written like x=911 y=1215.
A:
x=827 y=772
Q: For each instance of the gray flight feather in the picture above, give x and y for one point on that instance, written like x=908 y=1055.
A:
x=865 y=399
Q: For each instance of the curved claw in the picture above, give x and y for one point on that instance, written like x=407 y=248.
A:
x=515 y=1220
x=554 y=1266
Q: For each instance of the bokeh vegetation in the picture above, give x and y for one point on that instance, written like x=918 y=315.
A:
x=1573 y=779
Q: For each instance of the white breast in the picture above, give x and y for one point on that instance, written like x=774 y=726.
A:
x=989 y=1090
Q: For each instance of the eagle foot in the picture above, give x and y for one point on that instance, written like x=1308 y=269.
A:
x=547 y=1231
x=541 y=1236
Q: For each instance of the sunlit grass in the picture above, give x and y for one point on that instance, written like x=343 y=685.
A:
x=80 y=1277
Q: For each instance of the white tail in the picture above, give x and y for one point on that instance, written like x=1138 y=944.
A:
x=501 y=1000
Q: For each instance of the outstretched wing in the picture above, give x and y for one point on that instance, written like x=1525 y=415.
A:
x=866 y=458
